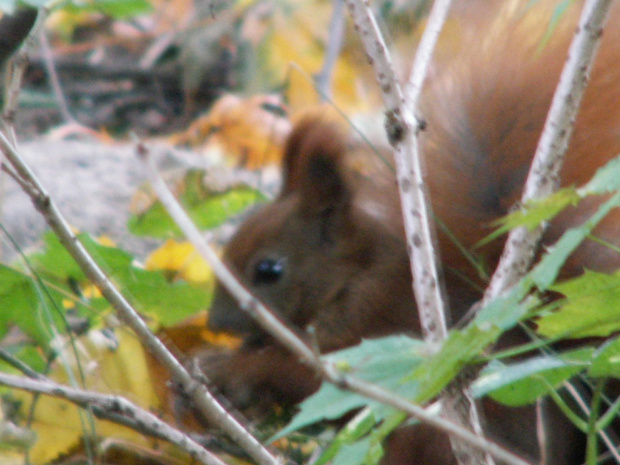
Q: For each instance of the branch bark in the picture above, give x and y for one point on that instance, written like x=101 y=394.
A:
x=116 y=409
x=402 y=128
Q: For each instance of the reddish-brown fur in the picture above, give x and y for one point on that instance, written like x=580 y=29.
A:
x=320 y=256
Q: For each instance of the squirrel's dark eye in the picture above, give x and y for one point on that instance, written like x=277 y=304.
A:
x=268 y=271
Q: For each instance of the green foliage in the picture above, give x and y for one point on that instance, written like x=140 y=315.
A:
x=523 y=383
x=347 y=445
x=606 y=360
x=535 y=213
x=25 y=304
x=547 y=271
x=207 y=209
x=118 y=9
x=605 y=180
x=38 y=300
x=384 y=361
x=590 y=307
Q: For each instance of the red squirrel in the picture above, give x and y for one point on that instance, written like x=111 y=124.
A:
x=329 y=252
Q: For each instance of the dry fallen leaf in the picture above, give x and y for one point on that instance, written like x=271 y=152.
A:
x=108 y=368
x=240 y=132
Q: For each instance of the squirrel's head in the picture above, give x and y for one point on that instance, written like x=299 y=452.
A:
x=307 y=255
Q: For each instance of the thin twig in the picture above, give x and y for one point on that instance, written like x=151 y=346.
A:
x=21 y=366
x=116 y=409
x=583 y=406
x=458 y=402
x=422 y=60
x=200 y=396
x=402 y=134
x=291 y=341
x=332 y=50
x=52 y=74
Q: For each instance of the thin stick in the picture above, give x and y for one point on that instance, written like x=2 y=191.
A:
x=334 y=45
x=50 y=68
x=458 y=402
x=116 y=409
x=424 y=53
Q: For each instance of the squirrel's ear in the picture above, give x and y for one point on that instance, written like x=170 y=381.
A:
x=314 y=166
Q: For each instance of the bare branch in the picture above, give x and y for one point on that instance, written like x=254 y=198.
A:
x=402 y=133
x=21 y=366
x=459 y=404
x=289 y=339
x=52 y=74
x=424 y=53
x=334 y=46
x=116 y=409
x=544 y=175
x=200 y=396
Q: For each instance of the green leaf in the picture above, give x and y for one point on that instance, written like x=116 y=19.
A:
x=148 y=291
x=28 y=354
x=169 y=303
x=17 y=295
x=534 y=213
x=523 y=383
x=359 y=426
x=590 y=308
x=547 y=270
x=54 y=260
x=606 y=360
x=118 y=9
x=506 y=310
x=352 y=453
x=25 y=305
x=124 y=8
x=458 y=349
x=386 y=361
x=206 y=209
x=605 y=180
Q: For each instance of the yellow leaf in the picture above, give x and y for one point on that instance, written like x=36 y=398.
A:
x=240 y=132
x=8 y=457
x=294 y=52
x=108 y=368
x=182 y=259
x=221 y=339
x=106 y=241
